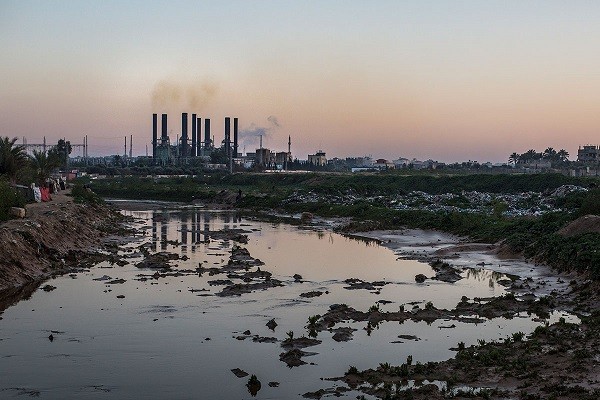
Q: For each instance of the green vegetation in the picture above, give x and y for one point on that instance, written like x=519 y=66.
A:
x=556 y=157
x=9 y=197
x=82 y=194
x=13 y=158
x=16 y=167
x=277 y=186
x=43 y=164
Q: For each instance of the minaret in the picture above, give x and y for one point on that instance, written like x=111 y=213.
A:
x=289 y=154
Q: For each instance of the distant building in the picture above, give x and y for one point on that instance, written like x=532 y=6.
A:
x=588 y=154
x=535 y=164
x=359 y=162
x=263 y=156
x=429 y=164
x=401 y=162
x=282 y=158
x=318 y=159
x=382 y=163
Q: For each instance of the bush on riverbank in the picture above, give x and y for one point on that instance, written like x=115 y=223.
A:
x=9 y=197
x=201 y=186
x=82 y=194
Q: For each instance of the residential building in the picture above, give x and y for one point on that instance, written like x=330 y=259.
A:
x=588 y=154
x=318 y=159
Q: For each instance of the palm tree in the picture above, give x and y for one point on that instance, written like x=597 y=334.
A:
x=530 y=155
x=514 y=158
x=44 y=164
x=12 y=158
x=563 y=155
x=549 y=154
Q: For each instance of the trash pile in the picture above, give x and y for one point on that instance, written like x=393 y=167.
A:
x=510 y=205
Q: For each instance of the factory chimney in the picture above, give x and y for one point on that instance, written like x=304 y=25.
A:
x=235 y=137
x=206 y=133
x=198 y=136
x=164 y=135
x=130 y=146
x=184 y=134
x=194 y=130
x=227 y=137
x=154 y=133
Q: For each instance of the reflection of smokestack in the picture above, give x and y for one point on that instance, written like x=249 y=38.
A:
x=235 y=137
x=164 y=128
x=198 y=135
x=194 y=130
x=227 y=136
x=184 y=134
x=154 y=133
x=207 y=132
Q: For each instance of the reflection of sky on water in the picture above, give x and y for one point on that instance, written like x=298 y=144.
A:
x=154 y=342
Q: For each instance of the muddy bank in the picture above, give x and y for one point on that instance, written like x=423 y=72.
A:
x=451 y=256
x=557 y=361
x=51 y=239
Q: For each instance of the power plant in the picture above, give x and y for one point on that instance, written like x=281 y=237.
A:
x=184 y=148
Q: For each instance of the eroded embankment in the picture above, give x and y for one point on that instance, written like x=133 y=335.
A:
x=54 y=237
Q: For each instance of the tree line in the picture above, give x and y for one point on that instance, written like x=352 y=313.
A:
x=550 y=154
x=17 y=166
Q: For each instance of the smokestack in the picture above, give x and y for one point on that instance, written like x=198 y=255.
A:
x=198 y=135
x=194 y=131
x=206 y=133
x=164 y=128
x=154 y=133
x=184 y=134
x=227 y=136
x=235 y=137
x=130 y=146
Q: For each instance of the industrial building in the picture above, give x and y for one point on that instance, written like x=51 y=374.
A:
x=185 y=148
x=277 y=160
x=167 y=151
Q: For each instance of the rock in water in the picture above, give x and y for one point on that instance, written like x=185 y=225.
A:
x=272 y=324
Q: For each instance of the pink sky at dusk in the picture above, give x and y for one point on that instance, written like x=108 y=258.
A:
x=451 y=81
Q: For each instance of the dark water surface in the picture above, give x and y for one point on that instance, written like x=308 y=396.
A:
x=167 y=340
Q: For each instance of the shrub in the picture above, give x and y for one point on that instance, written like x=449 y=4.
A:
x=83 y=194
x=9 y=197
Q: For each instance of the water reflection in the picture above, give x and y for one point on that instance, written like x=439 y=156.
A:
x=483 y=275
x=193 y=226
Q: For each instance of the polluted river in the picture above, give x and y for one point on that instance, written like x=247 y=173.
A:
x=199 y=301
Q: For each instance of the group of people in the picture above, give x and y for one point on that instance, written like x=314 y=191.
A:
x=51 y=186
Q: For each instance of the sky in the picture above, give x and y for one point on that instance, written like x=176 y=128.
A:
x=446 y=80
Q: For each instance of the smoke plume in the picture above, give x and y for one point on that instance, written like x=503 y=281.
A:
x=194 y=96
x=251 y=135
